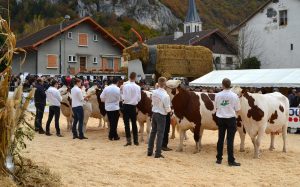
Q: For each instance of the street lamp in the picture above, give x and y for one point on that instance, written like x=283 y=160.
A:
x=197 y=36
x=66 y=18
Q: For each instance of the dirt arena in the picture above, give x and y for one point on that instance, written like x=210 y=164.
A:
x=100 y=162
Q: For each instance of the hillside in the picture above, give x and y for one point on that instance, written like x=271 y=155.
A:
x=149 y=17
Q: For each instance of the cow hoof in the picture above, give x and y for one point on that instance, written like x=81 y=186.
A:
x=271 y=148
x=172 y=137
x=179 y=150
x=242 y=150
x=284 y=150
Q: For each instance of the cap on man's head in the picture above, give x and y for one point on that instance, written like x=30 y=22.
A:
x=297 y=90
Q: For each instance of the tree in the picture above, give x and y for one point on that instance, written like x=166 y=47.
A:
x=249 y=43
x=37 y=24
x=251 y=63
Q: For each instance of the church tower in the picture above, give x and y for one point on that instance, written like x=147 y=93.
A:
x=192 y=21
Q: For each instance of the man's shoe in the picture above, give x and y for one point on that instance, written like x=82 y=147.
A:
x=48 y=134
x=111 y=139
x=234 y=164
x=149 y=154
x=59 y=135
x=36 y=129
x=74 y=137
x=117 y=138
x=166 y=149
x=82 y=138
x=219 y=161
x=127 y=144
x=159 y=156
x=41 y=132
x=136 y=143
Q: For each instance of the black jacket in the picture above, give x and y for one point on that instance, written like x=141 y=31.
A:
x=40 y=95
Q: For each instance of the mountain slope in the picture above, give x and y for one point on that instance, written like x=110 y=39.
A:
x=149 y=17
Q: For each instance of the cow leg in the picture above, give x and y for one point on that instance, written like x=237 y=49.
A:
x=141 y=131
x=148 y=129
x=284 y=135
x=200 y=139
x=272 y=142
x=185 y=136
x=254 y=145
x=100 y=123
x=180 y=146
x=258 y=141
x=173 y=131
x=242 y=137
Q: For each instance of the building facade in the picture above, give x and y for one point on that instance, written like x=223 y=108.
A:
x=272 y=34
x=76 y=47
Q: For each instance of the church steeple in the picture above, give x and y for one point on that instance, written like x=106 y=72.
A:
x=192 y=21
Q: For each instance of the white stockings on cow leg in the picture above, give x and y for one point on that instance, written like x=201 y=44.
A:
x=284 y=135
x=242 y=137
x=272 y=142
x=185 y=136
x=180 y=146
x=100 y=123
x=199 y=144
x=173 y=131
x=141 y=130
x=257 y=142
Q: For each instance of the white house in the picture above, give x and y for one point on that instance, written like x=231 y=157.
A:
x=272 y=34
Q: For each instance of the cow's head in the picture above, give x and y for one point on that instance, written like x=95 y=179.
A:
x=172 y=87
x=63 y=90
x=237 y=90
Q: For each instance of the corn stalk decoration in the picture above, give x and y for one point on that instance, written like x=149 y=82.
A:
x=12 y=110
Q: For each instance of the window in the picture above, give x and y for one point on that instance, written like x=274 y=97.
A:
x=83 y=39
x=229 y=60
x=218 y=60
x=188 y=29
x=95 y=60
x=70 y=35
x=283 y=18
x=95 y=38
x=72 y=58
x=52 y=61
x=292 y=47
x=110 y=63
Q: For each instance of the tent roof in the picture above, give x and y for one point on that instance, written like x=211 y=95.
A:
x=252 y=78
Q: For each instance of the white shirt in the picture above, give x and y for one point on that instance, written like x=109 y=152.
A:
x=77 y=97
x=227 y=104
x=161 y=102
x=131 y=93
x=53 y=96
x=111 y=96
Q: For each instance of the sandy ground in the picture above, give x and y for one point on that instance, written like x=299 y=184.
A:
x=100 y=162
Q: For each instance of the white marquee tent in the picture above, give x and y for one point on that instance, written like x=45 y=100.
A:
x=252 y=78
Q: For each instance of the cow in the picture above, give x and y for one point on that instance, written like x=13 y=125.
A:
x=144 y=114
x=195 y=111
x=263 y=113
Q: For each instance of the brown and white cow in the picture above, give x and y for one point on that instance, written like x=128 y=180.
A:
x=263 y=113
x=144 y=114
x=194 y=110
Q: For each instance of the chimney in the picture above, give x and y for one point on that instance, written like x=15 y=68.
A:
x=177 y=34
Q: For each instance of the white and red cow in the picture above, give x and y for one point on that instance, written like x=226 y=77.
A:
x=196 y=111
x=263 y=113
x=144 y=114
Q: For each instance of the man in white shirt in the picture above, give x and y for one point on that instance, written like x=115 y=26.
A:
x=111 y=96
x=77 y=108
x=131 y=95
x=161 y=106
x=54 y=99
x=227 y=104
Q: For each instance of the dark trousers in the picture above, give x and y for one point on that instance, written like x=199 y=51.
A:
x=129 y=112
x=229 y=125
x=78 y=118
x=167 y=130
x=39 y=116
x=113 y=117
x=158 y=129
x=53 y=111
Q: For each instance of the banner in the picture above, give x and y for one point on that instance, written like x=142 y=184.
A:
x=294 y=118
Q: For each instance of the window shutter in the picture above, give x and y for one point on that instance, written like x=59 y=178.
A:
x=52 y=61
x=83 y=39
x=116 y=64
